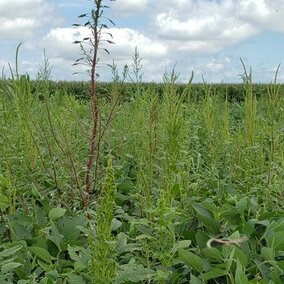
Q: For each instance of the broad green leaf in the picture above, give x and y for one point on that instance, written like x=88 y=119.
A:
x=56 y=213
x=69 y=230
x=201 y=210
x=201 y=239
x=46 y=280
x=45 y=266
x=120 y=242
x=55 y=236
x=7 y=267
x=74 y=253
x=235 y=235
x=265 y=223
x=213 y=274
x=4 y=182
x=80 y=255
x=278 y=241
x=209 y=204
x=241 y=257
x=232 y=216
x=163 y=275
x=209 y=222
x=181 y=245
x=10 y=251
x=248 y=227
x=143 y=237
x=194 y=280
x=79 y=266
x=275 y=276
x=213 y=253
x=229 y=253
x=132 y=272
x=74 y=279
x=280 y=263
x=191 y=260
x=264 y=270
x=42 y=254
x=53 y=274
x=242 y=205
x=4 y=202
x=240 y=276
x=115 y=224
x=267 y=253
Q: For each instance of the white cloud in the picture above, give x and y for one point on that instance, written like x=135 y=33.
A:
x=210 y=26
x=127 y=8
x=17 y=28
x=127 y=39
x=19 y=18
x=217 y=65
x=263 y=14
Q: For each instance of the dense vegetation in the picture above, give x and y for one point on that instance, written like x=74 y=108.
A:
x=81 y=89
x=178 y=165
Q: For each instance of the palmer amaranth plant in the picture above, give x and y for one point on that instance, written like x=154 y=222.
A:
x=90 y=47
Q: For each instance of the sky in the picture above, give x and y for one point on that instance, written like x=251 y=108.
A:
x=208 y=37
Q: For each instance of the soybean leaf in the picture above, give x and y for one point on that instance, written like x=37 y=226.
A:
x=241 y=257
x=191 y=260
x=195 y=280
x=181 y=245
x=242 y=205
x=267 y=253
x=4 y=202
x=55 y=236
x=42 y=254
x=10 y=251
x=133 y=272
x=213 y=253
x=74 y=279
x=56 y=213
x=8 y=267
x=240 y=276
x=213 y=274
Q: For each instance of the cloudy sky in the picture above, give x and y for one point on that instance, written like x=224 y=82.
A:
x=206 y=36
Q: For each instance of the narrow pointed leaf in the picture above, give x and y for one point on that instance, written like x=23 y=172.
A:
x=109 y=41
x=107 y=33
x=106 y=50
x=111 y=22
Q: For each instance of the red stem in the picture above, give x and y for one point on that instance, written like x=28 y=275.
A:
x=95 y=109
